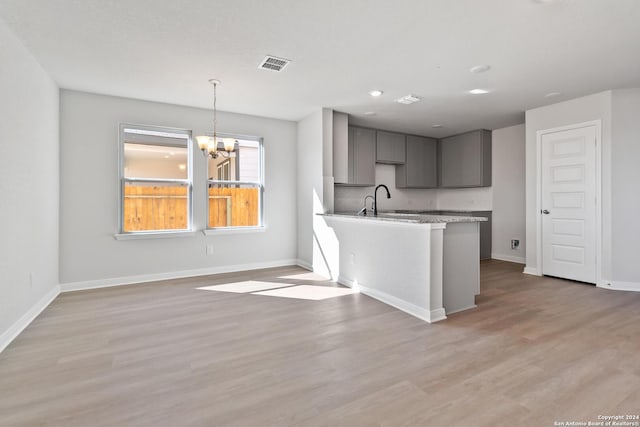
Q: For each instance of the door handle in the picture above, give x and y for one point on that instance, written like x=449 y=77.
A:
x=546 y=212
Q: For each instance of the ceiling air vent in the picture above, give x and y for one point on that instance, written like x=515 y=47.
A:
x=273 y=63
x=408 y=99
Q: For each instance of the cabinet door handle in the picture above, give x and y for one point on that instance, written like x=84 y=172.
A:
x=546 y=212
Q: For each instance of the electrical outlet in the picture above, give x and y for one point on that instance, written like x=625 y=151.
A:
x=515 y=244
x=209 y=249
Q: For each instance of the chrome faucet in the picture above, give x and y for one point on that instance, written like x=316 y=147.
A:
x=375 y=198
x=364 y=209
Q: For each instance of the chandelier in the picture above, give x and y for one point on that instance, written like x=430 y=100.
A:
x=209 y=145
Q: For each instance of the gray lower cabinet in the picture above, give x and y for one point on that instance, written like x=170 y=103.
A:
x=390 y=147
x=485 y=229
x=485 y=234
x=421 y=166
x=361 y=157
x=465 y=160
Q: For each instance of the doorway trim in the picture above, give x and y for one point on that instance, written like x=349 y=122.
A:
x=598 y=190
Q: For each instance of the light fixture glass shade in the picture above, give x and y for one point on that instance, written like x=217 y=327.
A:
x=229 y=144
x=203 y=142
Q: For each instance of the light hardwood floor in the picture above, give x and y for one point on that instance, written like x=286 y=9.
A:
x=535 y=351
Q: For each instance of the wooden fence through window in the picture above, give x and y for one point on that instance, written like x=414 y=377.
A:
x=165 y=207
x=235 y=207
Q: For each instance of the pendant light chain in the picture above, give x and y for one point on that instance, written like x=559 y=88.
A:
x=215 y=119
x=208 y=146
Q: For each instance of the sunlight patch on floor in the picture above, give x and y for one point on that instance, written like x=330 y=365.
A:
x=283 y=290
x=306 y=276
x=308 y=292
x=244 y=287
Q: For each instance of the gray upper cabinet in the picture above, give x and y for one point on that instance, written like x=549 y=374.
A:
x=364 y=156
x=390 y=148
x=354 y=153
x=465 y=160
x=421 y=167
x=360 y=158
x=340 y=147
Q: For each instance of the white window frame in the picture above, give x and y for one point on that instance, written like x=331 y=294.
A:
x=221 y=168
x=122 y=181
x=261 y=185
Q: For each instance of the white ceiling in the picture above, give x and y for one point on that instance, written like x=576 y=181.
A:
x=166 y=50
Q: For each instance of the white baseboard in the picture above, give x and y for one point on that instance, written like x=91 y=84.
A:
x=509 y=258
x=143 y=278
x=531 y=270
x=430 y=316
x=304 y=264
x=14 y=330
x=348 y=283
x=462 y=309
x=437 y=315
x=617 y=285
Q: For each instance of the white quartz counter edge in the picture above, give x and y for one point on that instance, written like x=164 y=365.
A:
x=409 y=218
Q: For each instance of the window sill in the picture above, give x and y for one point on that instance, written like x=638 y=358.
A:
x=154 y=235
x=233 y=230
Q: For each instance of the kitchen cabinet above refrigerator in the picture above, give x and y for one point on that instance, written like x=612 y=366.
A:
x=465 y=160
x=354 y=153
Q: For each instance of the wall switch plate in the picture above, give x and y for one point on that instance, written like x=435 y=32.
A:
x=515 y=244
x=352 y=258
x=209 y=249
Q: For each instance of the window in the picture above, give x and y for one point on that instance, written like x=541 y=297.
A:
x=155 y=179
x=224 y=171
x=235 y=186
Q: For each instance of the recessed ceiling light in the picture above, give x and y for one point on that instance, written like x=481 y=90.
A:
x=552 y=94
x=375 y=93
x=436 y=126
x=480 y=69
x=408 y=99
x=370 y=113
x=478 y=91
x=166 y=156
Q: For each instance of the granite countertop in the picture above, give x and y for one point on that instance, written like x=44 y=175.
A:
x=408 y=217
x=436 y=211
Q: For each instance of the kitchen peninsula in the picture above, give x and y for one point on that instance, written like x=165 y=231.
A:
x=425 y=265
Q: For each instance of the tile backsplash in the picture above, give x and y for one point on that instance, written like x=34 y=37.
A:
x=350 y=199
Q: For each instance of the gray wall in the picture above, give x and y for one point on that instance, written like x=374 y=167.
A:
x=619 y=111
x=309 y=182
x=317 y=243
x=89 y=194
x=508 y=173
x=29 y=183
x=625 y=181
x=592 y=107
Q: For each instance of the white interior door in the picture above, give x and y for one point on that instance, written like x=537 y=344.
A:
x=569 y=204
